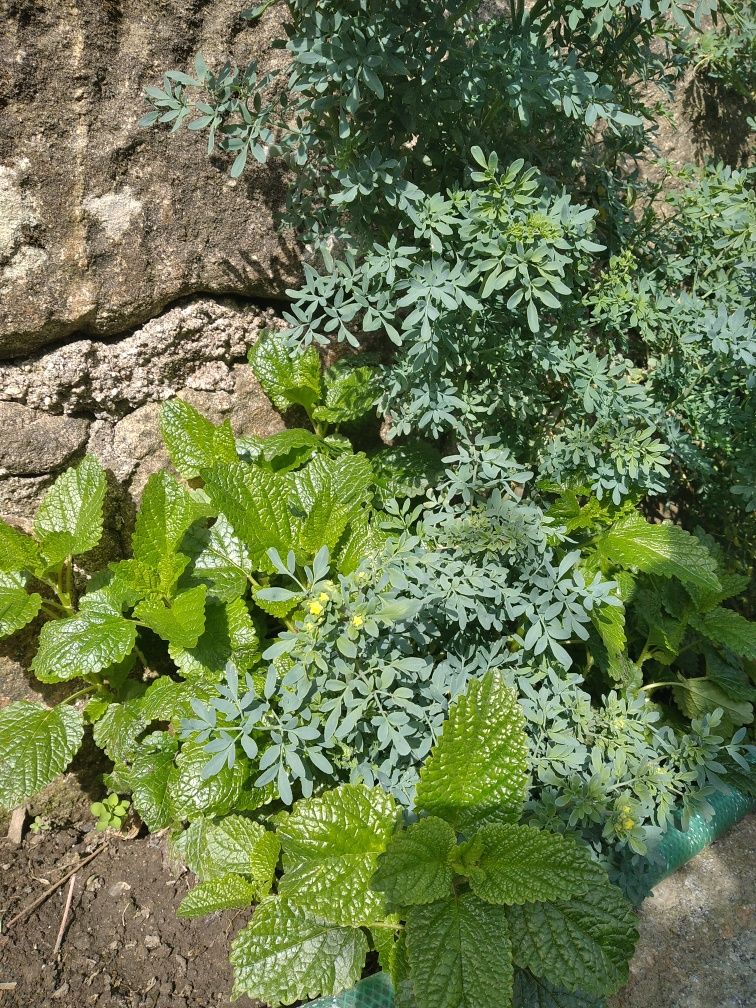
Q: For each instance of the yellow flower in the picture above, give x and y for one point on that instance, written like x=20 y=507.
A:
x=628 y=824
x=324 y=597
x=357 y=621
x=316 y=609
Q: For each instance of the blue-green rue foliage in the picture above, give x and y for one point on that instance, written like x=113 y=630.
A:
x=404 y=684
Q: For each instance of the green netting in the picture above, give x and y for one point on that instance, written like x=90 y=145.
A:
x=372 y=992
x=675 y=848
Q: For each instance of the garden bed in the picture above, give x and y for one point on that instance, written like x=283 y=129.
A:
x=124 y=947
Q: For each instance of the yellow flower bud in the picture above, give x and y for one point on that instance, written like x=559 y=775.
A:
x=357 y=621
x=316 y=609
x=324 y=597
x=628 y=824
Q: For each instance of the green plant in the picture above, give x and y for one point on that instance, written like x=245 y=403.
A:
x=457 y=903
x=39 y=824
x=561 y=353
x=550 y=301
x=726 y=51
x=110 y=812
x=197 y=555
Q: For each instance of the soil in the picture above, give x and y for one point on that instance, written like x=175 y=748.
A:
x=123 y=946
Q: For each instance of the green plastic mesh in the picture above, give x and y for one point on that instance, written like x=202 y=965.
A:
x=675 y=848
x=372 y=992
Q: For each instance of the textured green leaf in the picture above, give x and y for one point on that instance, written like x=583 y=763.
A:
x=664 y=550
x=181 y=623
x=522 y=864
x=17 y=606
x=731 y=585
x=165 y=513
x=477 y=769
x=222 y=559
x=245 y=643
x=256 y=503
x=190 y=847
x=287 y=377
x=281 y=452
x=193 y=796
x=581 y=944
x=82 y=645
x=69 y=519
x=610 y=623
x=696 y=697
x=36 y=744
x=535 y=992
x=349 y=392
x=18 y=551
x=415 y=866
x=227 y=892
x=285 y=954
x=459 y=954
x=229 y=635
x=119 y=728
x=330 y=848
x=151 y=774
x=330 y=492
x=168 y=700
x=391 y=947
x=730 y=629
x=235 y=844
x=193 y=441
x=732 y=680
x=407 y=470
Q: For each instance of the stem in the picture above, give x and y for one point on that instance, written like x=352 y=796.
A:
x=64 y=604
x=658 y=685
x=53 y=609
x=81 y=692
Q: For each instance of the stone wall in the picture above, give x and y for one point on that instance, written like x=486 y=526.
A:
x=132 y=267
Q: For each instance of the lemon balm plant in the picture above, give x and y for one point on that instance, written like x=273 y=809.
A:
x=295 y=668
x=317 y=616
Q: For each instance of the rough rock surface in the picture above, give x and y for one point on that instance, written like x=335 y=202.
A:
x=103 y=224
x=697 y=945
x=104 y=397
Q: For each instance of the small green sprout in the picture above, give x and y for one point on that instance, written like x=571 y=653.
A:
x=110 y=813
x=39 y=824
